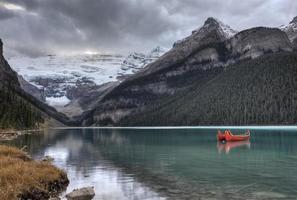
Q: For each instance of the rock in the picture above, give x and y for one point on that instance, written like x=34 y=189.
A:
x=31 y=89
x=254 y=42
x=291 y=29
x=86 y=193
x=47 y=159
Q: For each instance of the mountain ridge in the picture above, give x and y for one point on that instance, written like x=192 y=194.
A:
x=198 y=58
x=192 y=62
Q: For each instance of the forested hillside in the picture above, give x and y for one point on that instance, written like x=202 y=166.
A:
x=17 y=113
x=262 y=91
x=19 y=110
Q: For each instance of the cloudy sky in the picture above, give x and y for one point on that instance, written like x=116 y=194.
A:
x=39 y=27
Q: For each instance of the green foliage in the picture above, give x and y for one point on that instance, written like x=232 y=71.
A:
x=15 y=112
x=262 y=91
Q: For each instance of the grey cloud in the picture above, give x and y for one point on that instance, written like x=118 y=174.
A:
x=6 y=14
x=53 y=26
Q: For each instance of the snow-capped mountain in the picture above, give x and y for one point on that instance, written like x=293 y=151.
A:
x=210 y=24
x=136 y=61
x=225 y=29
x=55 y=75
x=291 y=29
x=191 y=63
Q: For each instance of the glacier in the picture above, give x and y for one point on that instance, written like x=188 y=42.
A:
x=55 y=75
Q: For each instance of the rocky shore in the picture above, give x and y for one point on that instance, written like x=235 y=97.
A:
x=10 y=134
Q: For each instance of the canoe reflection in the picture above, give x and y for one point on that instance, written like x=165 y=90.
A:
x=228 y=146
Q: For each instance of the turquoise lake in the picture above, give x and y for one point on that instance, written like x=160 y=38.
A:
x=184 y=163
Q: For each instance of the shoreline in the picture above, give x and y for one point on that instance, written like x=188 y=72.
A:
x=11 y=134
x=260 y=127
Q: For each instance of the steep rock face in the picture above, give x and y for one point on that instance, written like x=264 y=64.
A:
x=7 y=75
x=254 y=42
x=31 y=89
x=210 y=32
x=15 y=111
x=196 y=59
x=291 y=29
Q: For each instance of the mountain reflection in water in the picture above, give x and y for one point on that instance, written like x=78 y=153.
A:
x=171 y=164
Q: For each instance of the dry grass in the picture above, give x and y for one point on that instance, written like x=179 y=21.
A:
x=20 y=176
x=12 y=152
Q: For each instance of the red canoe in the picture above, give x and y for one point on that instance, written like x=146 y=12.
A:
x=228 y=136
x=220 y=136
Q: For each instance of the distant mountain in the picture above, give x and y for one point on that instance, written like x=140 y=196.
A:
x=192 y=62
x=136 y=61
x=18 y=109
x=68 y=82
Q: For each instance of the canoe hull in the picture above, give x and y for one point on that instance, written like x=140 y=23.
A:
x=228 y=136
x=236 y=138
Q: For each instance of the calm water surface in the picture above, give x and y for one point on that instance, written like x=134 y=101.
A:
x=172 y=163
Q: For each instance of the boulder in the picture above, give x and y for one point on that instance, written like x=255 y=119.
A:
x=47 y=159
x=86 y=193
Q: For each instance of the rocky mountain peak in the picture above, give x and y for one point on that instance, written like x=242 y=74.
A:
x=294 y=21
x=212 y=29
x=211 y=24
x=291 y=29
x=211 y=21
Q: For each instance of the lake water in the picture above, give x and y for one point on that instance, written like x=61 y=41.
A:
x=172 y=163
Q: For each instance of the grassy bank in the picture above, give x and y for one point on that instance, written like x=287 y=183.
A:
x=24 y=178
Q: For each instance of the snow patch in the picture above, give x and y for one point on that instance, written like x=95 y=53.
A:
x=57 y=101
